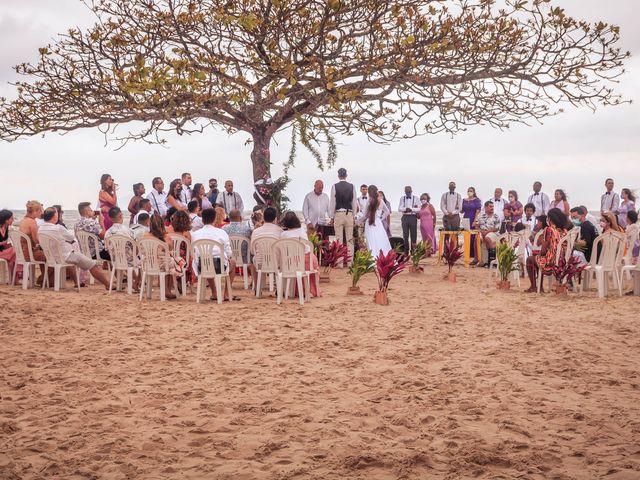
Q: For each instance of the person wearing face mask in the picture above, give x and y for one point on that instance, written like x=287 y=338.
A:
x=588 y=232
x=409 y=207
x=471 y=207
x=516 y=207
x=427 y=217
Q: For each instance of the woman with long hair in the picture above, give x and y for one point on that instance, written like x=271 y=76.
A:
x=560 y=202
x=427 y=216
x=627 y=204
x=134 y=203
x=29 y=226
x=107 y=198
x=374 y=232
x=7 y=252
x=157 y=230
x=293 y=229
x=199 y=195
x=181 y=225
x=221 y=215
x=543 y=261
x=174 y=197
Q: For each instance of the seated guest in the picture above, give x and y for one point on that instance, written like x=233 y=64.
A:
x=237 y=227
x=210 y=232
x=117 y=227
x=516 y=207
x=92 y=223
x=142 y=227
x=529 y=218
x=145 y=207
x=588 y=233
x=257 y=220
x=157 y=230
x=543 y=260
x=293 y=229
x=181 y=225
x=29 y=226
x=69 y=247
x=270 y=228
x=167 y=219
x=506 y=226
x=7 y=252
x=134 y=203
x=194 y=215
x=632 y=229
x=221 y=218
x=60 y=214
x=488 y=223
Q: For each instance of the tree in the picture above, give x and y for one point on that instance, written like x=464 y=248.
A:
x=392 y=70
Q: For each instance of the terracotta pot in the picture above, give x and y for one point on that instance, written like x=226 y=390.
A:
x=354 y=291
x=381 y=298
x=325 y=277
x=413 y=269
x=561 y=289
x=451 y=276
x=504 y=285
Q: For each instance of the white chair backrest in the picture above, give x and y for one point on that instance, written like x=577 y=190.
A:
x=236 y=247
x=536 y=239
x=123 y=250
x=21 y=242
x=178 y=240
x=631 y=238
x=155 y=255
x=206 y=251
x=308 y=245
x=518 y=241
x=566 y=245
x=264 y=255
x=51 y=249
x=89 y=243
x=612 y=250
x=289 y=254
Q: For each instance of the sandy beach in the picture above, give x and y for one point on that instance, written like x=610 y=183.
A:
x=450 y=381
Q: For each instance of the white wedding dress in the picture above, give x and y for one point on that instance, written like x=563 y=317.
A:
x=376 y=235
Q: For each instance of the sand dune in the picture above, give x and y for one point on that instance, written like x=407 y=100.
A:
x=450 y=381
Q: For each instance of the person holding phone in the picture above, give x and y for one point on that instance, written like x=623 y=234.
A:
x=107 y=198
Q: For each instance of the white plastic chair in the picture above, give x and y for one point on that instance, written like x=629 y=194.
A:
x=5 y=275
x=290 y=258
x=236 y=247
x=312 y=271
x=123 y=251
x=178 y=241
x=90 y=247
x=608 y=263
x=51 y=248
x=206 y=251
x=627 y=262
x=20 y=241
x=264 y=260
x=155 y=263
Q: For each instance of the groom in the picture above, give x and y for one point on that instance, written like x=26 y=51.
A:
x=342 y=206
x=409 y=208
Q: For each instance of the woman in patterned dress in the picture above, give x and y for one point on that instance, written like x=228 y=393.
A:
x=544 y=260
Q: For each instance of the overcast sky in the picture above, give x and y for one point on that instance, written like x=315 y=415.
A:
x=575 y=151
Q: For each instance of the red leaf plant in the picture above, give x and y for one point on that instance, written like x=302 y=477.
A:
x=565 y=271
x=334 y=253
x=451 y=253
x=388 y=266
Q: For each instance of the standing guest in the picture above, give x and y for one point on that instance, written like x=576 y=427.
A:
x=529 y=218
x=186 y=192
x=107 y=197
x=7 y=252
x=60 y=215
x=174 y=196
x=157 y=230
x=200 y=197
x=427 y=216
x=293 y=229
x=498 y=203
x=471 y=206
x=409 y=207
x=539 y=199
x=145 y=207
x=194 y=214
x=158 y=197
x=609 y=201
x=488 y=223
x=363 y=201
x=134 y=203
x=516 y=207
x=627 y=205
x=543 y=261
x=117 y=224
x=142 y=227
x=92 y=223
x=560 y=202
x=588 y=232
x=210 y=232
x=342 y=205
x=230 y=200
x=315 y=208
x=451 y=205
x=29 y=227
x=387 y=221
x=374 y=232
x=212 y=194
x=269 y=228
x=237 y=227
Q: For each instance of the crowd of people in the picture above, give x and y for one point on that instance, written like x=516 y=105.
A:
x=195 y=212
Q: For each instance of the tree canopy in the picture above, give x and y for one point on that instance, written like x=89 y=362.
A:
x=391 y=70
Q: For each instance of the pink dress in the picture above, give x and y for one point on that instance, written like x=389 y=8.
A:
x=105 y=215
x=428 y=226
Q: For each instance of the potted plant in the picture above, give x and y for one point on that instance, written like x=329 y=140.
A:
x=451 y=253
x=566 y=271
x=363 y=263
x=508 y=262
x=421 y=250
x=387 y=267
x=332 y=254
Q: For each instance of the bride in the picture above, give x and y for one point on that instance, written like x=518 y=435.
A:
x=374 y=231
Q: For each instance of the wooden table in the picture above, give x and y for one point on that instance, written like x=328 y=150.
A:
x=466 y=238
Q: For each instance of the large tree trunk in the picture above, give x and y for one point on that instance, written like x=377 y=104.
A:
x=260 y=155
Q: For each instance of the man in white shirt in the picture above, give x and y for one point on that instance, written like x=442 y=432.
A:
x=209 y=232
x=315 y=208
x=451 y=205
x=145 y=207
x=186 y=193
x=142 y=226
x=498 y=203
x=68 y=246
x=118 y=227
x=362 y=201
x=269 y=228
x=610 y=200
x=539 y=199
x=488 y=223
x=229 y=199
x=409 y=207
x=529 y=217
x=194 y=210
x=158 y=197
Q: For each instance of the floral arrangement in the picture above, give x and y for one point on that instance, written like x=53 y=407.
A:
x=363 y=263
x=420 y=252
x=508 y=261
x=315 y=240
x=333 y=254
x=451 y=252
x=567 y=270
x=388 y=266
